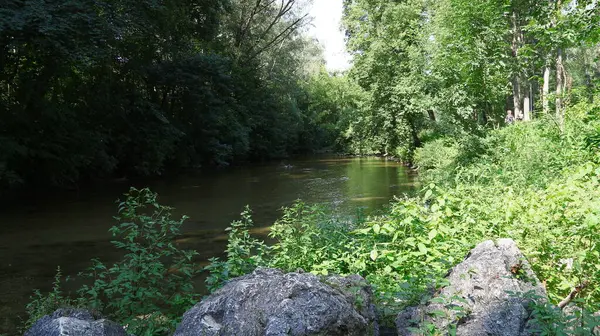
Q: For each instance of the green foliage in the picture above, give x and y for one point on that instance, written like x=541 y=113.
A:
x=306 y=237
x=334 y=102
x=113 y=88
x=535 y=185
x=457 y=64
x=385 y=39
x=41 y=305
x=244 y=254
x=548 y=320
x=151 y=288
x=543 y=193
x=312 y=239
x=438 y=157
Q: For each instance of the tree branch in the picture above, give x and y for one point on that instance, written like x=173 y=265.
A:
x=244 y=27
x=284 y=34
x=572 y=295
x=286 y=7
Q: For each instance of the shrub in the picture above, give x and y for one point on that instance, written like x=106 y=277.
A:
x=244 y=254
x=310 y=238
x=151 y=288
x=437 y=154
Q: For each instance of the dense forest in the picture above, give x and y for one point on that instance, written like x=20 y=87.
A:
x=103 y=89
x=114 y=88
x=99 y=89
x=457 y=66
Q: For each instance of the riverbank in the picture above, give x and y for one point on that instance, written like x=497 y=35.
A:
x=498 y=301
x=530 y=182
x=543 y=194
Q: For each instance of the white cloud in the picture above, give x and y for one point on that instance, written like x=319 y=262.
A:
x=327 y=17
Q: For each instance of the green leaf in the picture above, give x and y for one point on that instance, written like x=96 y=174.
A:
x=422 y=248
x=432 y=234
x=376 y=228
x=374 y=255
x=438 y=313
x=427 y=195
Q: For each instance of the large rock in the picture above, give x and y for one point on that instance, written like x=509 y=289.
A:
x=485 y=295
x=271 y=303
x=74 y=322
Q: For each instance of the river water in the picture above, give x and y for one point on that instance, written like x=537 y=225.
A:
x=68 y=230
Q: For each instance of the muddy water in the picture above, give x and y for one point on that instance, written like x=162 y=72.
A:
x=69 y=230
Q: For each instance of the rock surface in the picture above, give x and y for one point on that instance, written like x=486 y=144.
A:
x=74 y=322
x=477 y=299
x=271 y=303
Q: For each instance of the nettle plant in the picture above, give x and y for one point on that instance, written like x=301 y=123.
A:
x=244 y=253
x=311 y=238
x=306 y=237
x=151 y=287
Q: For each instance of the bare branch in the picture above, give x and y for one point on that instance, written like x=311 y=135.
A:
x=572 y=295
x=286 y=7
x=282 y=35
x=244 y=27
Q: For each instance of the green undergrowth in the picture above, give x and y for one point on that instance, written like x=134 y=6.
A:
x=529 y=182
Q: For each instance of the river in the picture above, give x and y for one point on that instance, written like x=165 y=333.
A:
x=68 y=230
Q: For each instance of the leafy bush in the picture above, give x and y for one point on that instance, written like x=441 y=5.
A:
x=151 y=288
x=549 y=320
x=244 y=254
x=310 y=238
x=437 y=154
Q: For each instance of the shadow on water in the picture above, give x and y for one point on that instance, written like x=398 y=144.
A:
x=68 y=230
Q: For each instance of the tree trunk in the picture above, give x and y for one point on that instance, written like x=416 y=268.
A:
x=518 y=111
x=415 y=136
x=431 y=115
x=560 y=82
x=516 y=81
x=546 y=90
x=533 y=88
x=526 y=110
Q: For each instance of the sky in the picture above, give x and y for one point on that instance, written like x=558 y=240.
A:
x=327 y=17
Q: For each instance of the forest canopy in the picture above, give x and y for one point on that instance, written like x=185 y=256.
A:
x=454 y=66
x=113 y=88
x=119 y=88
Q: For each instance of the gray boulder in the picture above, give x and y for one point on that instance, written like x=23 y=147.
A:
x=75 y=322
x=271 y=303
x=485 y=295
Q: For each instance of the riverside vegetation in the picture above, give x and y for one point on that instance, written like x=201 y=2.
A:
x=544 y=196
x=430 y=84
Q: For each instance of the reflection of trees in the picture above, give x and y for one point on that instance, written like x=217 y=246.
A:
x=371 y=180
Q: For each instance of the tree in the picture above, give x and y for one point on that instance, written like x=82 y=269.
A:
x=98 y=89
x=383 y=36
